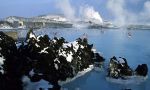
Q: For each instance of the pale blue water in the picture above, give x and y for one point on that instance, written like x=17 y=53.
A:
x=136 y=49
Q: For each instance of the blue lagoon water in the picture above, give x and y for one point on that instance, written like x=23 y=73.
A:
x=110 y=42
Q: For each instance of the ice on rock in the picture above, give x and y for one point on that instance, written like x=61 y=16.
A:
x=68 y=56
x=32 y=35
x=44 y=50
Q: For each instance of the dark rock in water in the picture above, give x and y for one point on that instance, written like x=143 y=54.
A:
x=118 y=68
x=98 y=58
x=98 y=61
x=142 y=70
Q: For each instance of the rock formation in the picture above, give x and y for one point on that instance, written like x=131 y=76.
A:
x=141 y=70
x=41 y=58
x=118 y=68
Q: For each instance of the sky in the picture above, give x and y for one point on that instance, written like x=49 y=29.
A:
x=122 y=10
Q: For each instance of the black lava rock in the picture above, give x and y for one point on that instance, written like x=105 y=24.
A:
x=42 y=55
x=119 y=68
x=142 y=70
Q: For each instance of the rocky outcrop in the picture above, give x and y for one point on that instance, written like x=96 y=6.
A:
x=142 y=70
x=118 y=68
x=10 y=67
x=41 y=58
x=98 y=61
x=98 y=58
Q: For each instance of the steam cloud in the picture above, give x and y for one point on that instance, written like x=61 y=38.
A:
x=66 y=8
x=118 y=8
x=88 y=13
x=124 y=16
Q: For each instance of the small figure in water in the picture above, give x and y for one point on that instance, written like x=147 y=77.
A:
x=129 y=34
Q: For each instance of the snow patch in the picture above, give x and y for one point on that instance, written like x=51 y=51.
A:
x=74 y=44
x=68 y=56
x=121 y=60
x=38 y=37
x=37 y=45
x=56 y=60
x=6 y=27
x=54 y=17
x=44 y=50
x=32 y=35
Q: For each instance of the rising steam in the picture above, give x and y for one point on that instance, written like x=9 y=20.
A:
x=124 y=17
x=66 y=8
x=89 y=14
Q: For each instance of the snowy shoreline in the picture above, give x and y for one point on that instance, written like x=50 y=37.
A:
x=79 y=74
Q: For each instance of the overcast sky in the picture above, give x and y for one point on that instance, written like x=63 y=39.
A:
x=29 y=8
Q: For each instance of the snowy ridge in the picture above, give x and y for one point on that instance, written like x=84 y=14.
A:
x=53 y=17
x=79 y=74
x=6 y=27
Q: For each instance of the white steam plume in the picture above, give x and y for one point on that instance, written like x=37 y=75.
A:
x=88 y=13
x=66 y=8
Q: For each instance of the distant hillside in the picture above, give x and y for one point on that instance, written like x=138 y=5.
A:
x=43 y=21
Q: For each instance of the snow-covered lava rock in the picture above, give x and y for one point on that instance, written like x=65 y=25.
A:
x=40 y=62
x=120 y=72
